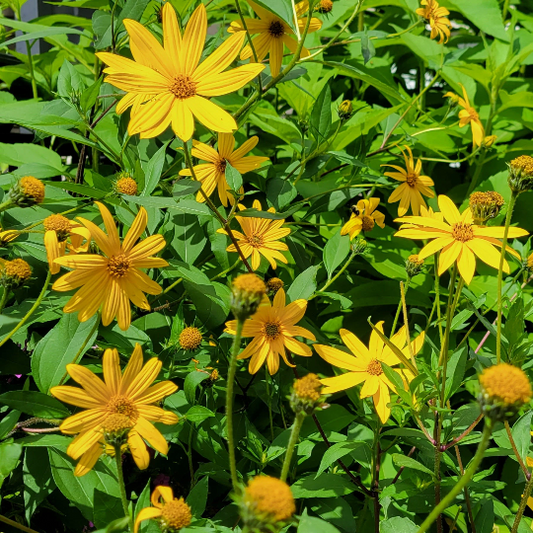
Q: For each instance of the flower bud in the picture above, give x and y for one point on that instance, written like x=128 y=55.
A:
x=529 y=263
x=60 y=224
x=190 y=339
x=359 y=246
x=345 y=110
x=116 y=428
x=7 y=236
x=28 y=191
x=273 y=285
x=125 y=184
x=413 y=265
x=306 y=395
x=485 y=205
x=504 y=390
x=488 y=141
x=14 y=273
x=247 y=292
x=324 y=7
x=521 y=174
x=453 y=99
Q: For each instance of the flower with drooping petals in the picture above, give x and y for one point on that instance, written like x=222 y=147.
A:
x=436 y=16
x=468 y=115
x=364 y=217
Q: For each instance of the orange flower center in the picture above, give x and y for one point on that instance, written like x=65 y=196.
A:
x=276 y=28
x=220 y=166
x=176 y=515
x=411 y=180
x=462 y=232
x=374 y=368
x=118 y=265
x=272 y=330
x=183 y=87
x=255 y=240
x=368 y=223
x=473 y=114
x=122 y=405
x=59 y=224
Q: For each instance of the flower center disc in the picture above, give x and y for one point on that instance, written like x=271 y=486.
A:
x=411 y=180
x=368 y=223
x=255 y=240
x=176 y=515
x=122 y=405
x=272 y=330
x=374 y=368
x=118 y=265
x=220 y=166
x=183 y=87
x=276 y=29
x=462 y=232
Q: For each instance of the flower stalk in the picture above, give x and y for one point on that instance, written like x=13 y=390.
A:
x=121 y=484
x=293 y=441
x=523 y=504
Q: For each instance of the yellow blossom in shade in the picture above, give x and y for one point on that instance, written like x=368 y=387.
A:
x=167 y=85
x=190 y=338
x=364 y=365
x=260 y=237
x=364 y=218
x=269 y=499
x=113 y=279
x=468 y=115
x=273 y=328
x=458 y=239
x=414 y=186
x=273 y=34
x=436 y=16
x=212 y=174
x=62 y=234
x=130 y=394
x=172 y=513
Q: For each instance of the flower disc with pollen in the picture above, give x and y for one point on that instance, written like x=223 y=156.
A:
x=33 y=188
x=269 y=498
x=190 y=338
x=506 y=383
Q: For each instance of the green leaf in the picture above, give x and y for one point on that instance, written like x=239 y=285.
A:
x=337 y=451
x=65 y=343
x=522 y=434
x=197 y=498
x=320 y=121
x=398 y=524
x=153 y=169
x=69 y=81
x=191 y=383
x=304 y=286
x=408 y=462
x=484 y=14
x=9 y=457
x=323 y=486
x=233 y=177
x=335 y=252
x=38 y=481
x=8 y=422
x=455 y=371
x=199 y=413
x=367 y=47
x=312 y=524
x=34 y=403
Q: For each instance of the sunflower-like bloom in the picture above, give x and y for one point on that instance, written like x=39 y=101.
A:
x=125 y=398
x=62 y=234
x=273 y=34
x=468 y=115
x=112 y=279
x=458 y=239
x=436 y=16
x=273 y=328
x=212 y=174
x=410 y=192
x=172 y=513
x=364 y=218
x=167 y=85
x=260 y=237
x=364 y=365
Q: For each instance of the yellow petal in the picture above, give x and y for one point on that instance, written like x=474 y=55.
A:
x=193 y=40
x=211 y=115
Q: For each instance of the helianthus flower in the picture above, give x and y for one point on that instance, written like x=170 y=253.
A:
x=14 y=273
x=273 y=34
x=436 y=16
x=410 y=192
x=112 y=279
x=58 y=231
x=468 y=115
x=7 y=236
x=458 y=239
x=260 y=237
x=364 y=218
x=364 y=366
x=273 y=330
x=172 y=513
x=212 y=174
x=167 y=85
x=122 y=401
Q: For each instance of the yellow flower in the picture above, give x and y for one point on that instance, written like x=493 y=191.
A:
x=410 y=192
x=260 y=237
x=468 y=115
x=247 y=292
x=364 y=217
x=273 y=34
x=112 y=279
x=58 y=230
x=506 y=383
x=458 y=239
x=126 y=185
x=212 y=174
x=167 y=85
x=365 y=366
x=190 y=338
x=436 y=16
x=128 y=395
x=14 y=273
x=173 y=513
x=273 y=330
x=267 y=499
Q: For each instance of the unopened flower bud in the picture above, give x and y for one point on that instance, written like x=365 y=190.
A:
x=413 y=265
x=453 y=99
x=504 y=390
x=247 y=292
x=485 y=205
x=116 y=428
x=190 y=339
x=273 y=285
x=60 y=224
x=28 y=191
x=359 y=246
x=306 y=396
x=345 y=110
x=324 y=7
x=13 y=274
x=125 y=184
x=488 y=141
x=521 y=174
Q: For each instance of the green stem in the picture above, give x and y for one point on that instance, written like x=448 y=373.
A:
x=399 y=310
x=510 y=208
x=443 y=357
x=4 y=299
x=461 y=484
x=437 y=299
x=30 y=312
x=523 y=504
x=229 y=402
x=120 y=477
x=6 y=205
x=16 y=525
x=338 y=274
x=293 y=441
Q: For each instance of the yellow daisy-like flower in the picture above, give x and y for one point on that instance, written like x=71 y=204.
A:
x=260 y=237
x=436 y=16
x=269 y=500
x=413 y=186
x=113 y=279
x=458 y=239
x=468 y=115
x=167 y=85
x=364 y=365
x=212 y=174
x=364 y=218
x=273 y=328
x=172 y=513
x=129 y=396
x=273 y=34
x=7 y=236
x=59 y=230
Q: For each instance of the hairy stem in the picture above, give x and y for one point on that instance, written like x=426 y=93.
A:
x=293 y=441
